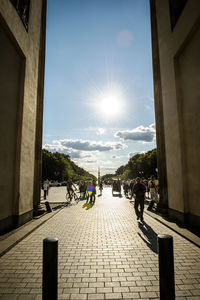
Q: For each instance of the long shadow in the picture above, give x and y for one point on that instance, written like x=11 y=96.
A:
x=117 y=195
x=58 y=207
x=150 y=234
x=88 y=205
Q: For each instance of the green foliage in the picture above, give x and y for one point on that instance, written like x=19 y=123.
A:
x=108 y=177
x=120 y=170
x=142 y=165
x=58 y=166
x=126 y=175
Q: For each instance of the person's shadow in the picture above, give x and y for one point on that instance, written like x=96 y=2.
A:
x=151 y=235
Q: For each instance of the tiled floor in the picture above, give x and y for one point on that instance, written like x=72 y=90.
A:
x=104 y=253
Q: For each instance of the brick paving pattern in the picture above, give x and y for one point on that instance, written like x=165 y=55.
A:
x=104 y=253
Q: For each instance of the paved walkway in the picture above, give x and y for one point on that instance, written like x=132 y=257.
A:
x=104 y=253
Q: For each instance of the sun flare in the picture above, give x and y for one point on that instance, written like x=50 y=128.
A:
x=109 y=104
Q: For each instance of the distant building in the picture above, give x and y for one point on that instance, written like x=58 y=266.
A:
x=22 y=48
x=176 y=67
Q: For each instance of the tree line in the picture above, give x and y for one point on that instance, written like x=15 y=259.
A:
x=142 y=165
x=59 y=167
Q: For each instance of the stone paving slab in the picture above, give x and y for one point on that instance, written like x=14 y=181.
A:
x=9 y=240
x=104 y=253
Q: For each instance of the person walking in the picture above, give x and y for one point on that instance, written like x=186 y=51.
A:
x=139 y=191
x=45 y=188
x=48 y=186
x=100 y=187
x=153 y=188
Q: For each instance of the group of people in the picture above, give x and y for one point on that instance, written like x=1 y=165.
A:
x=136 y=188
x=87 y=189
x=129 y=184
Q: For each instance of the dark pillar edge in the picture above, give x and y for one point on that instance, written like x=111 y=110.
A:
x=39 y=117
x=162 y=206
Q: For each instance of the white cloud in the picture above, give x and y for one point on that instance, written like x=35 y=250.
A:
x=90 y=161
x=84 y=145
x=59 y=148
x=100 y=131
x=87 y=151
x=139 y=134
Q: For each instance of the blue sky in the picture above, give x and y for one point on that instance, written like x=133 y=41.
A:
x=98 y=104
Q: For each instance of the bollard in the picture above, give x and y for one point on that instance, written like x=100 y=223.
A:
x=50 y=269
x=48 y=207
x=166 y=267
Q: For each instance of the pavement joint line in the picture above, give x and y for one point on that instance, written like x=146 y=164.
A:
x=196 y=243
x=12 y=233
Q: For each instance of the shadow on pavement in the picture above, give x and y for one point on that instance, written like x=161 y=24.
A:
x=117 y=195
x=151 y=235
x=88 y=205
x=58 y=207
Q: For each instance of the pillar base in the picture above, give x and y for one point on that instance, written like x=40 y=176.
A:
x=162 y=209
x=39 y=210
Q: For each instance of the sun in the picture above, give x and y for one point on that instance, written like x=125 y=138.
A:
x=109 y=104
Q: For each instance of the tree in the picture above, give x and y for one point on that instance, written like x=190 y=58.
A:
x=142 y=165
x=58 y=166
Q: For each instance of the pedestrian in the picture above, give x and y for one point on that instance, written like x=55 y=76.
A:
x=139 y=191
x=94 y=191
x=91 y=195
x=131 y=189
x=45 y=188
x=119 y=185
x=125 y=187
x=100 y=187
x=48 y=186
x=153 y=188
x=70 y=189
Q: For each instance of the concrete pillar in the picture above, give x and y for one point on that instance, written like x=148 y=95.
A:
x=37 y=208
x=158 y=104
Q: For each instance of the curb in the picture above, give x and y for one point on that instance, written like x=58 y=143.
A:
x=11 y=239
x=185 y=233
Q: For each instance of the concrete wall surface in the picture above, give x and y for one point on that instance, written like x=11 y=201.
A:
x=179 y=49
x=19 y=61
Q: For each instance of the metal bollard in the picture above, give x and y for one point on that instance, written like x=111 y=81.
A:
x=50 y=269
x=48 y=207
x=166 y=267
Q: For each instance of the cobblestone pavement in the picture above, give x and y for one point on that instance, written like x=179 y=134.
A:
x=104 y=253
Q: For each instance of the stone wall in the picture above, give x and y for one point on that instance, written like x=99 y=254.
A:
x=179 y=48
x=19 y=65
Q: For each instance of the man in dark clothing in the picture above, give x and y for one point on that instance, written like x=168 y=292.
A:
x=139 y=191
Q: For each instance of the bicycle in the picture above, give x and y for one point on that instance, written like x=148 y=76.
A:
x=70 y=196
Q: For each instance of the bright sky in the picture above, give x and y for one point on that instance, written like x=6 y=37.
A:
x=98 y=105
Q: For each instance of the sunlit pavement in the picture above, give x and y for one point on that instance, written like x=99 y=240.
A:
x=104 y=253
